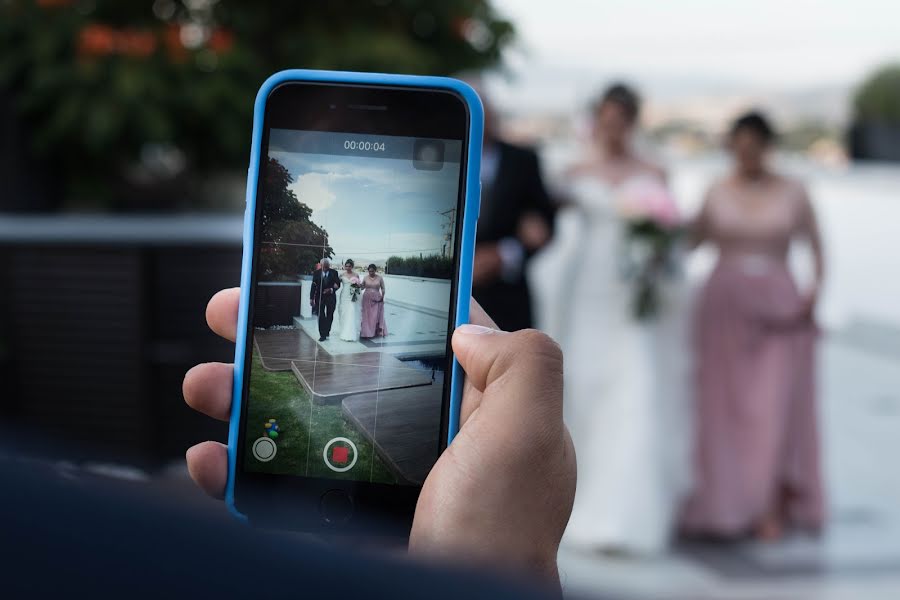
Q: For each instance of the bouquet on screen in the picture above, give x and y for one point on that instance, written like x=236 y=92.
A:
x=653 y=228
x=355 y=288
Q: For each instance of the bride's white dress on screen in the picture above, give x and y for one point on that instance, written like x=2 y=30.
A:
x=349 y=313
x=626 y=396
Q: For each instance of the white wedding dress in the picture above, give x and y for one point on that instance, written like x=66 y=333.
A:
x=349 y=313
x=626 y=397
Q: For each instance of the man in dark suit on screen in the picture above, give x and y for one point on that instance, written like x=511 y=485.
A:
x=516 y=221
x=323 y=295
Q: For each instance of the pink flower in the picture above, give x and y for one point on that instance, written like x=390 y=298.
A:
x=645 y=198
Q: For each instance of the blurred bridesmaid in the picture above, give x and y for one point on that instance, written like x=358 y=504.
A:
x=757 y=456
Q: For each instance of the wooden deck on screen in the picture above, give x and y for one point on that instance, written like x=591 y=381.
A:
x=403 y=425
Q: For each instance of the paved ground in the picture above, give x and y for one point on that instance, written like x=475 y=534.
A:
x=412 y=332
x=859 y=555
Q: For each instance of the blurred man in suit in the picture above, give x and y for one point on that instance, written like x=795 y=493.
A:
x=516 y=221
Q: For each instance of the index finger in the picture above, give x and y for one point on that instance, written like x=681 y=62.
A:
x=222 y=312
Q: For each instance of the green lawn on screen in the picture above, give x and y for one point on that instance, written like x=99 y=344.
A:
x=278 y=395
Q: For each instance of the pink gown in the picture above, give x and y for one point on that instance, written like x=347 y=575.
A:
x=373 y=324
x=758 y=441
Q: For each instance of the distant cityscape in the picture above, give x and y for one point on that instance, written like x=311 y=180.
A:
x=813 y=121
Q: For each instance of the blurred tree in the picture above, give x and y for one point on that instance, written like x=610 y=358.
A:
x=878 y=99
x=875 y=132
x=145 y=92
x=291 y=243
x=429 y=265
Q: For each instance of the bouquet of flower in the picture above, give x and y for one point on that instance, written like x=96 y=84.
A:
x=355 y=288
x=652 y=228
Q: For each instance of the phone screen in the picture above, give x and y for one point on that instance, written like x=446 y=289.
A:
x=348 y=369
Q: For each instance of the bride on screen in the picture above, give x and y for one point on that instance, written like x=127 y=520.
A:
x=349 y=306
x=626 y=375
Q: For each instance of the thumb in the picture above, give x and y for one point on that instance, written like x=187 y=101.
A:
x=525 y=365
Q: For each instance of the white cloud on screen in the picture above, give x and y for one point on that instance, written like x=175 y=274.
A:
x=313 y=189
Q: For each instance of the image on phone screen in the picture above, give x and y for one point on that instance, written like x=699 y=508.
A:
x=351 y=315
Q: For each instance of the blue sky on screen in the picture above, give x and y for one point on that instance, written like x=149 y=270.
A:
x=373 y=208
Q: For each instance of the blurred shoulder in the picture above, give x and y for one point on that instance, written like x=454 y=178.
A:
x=793 y=189
x=719 y=186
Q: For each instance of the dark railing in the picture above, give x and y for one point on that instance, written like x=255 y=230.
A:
x=100 y=317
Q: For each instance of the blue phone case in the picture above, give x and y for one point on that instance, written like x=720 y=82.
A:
x=472 y=202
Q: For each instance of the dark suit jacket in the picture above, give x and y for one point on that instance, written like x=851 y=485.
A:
x=517 y=188
x=330 y=278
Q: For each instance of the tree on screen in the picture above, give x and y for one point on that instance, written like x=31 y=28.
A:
x=291 y=243
x=429 y=265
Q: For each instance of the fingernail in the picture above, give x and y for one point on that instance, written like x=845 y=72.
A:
x=475 y=329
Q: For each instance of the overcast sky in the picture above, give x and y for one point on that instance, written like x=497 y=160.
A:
x=673 y=45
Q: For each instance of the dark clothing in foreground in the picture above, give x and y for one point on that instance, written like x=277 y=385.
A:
x=66 y=533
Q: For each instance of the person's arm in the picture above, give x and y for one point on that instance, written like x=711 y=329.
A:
x=535 y=227
x=312 y=290
x=698 y=228
x=381 y=282
x=809 y=228
x=505 y=258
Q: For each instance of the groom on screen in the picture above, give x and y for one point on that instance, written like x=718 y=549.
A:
x=323 y=294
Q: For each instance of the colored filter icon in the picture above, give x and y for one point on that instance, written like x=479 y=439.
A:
x=271 y=428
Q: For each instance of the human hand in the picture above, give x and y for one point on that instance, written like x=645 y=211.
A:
x=502 y=491
x=511 y=425
x=487 y=265
x=532 y=231
x=808 y=304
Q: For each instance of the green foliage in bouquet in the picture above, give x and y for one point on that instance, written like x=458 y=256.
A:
x=150 y=89
x=647 y=259
x=292 y=243
x=430 y=265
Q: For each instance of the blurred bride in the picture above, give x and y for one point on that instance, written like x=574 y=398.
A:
x=620 y=316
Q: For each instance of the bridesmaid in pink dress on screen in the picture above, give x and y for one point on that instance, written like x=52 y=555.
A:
x=373 y=324
x=757 y=453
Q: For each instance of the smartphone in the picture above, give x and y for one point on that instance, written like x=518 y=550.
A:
x=362 y=200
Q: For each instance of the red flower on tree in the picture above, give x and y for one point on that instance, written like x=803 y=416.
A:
x=132 y=42
x=101 y=40
x=96 y=40
x=172 y=41
x=221 y=41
